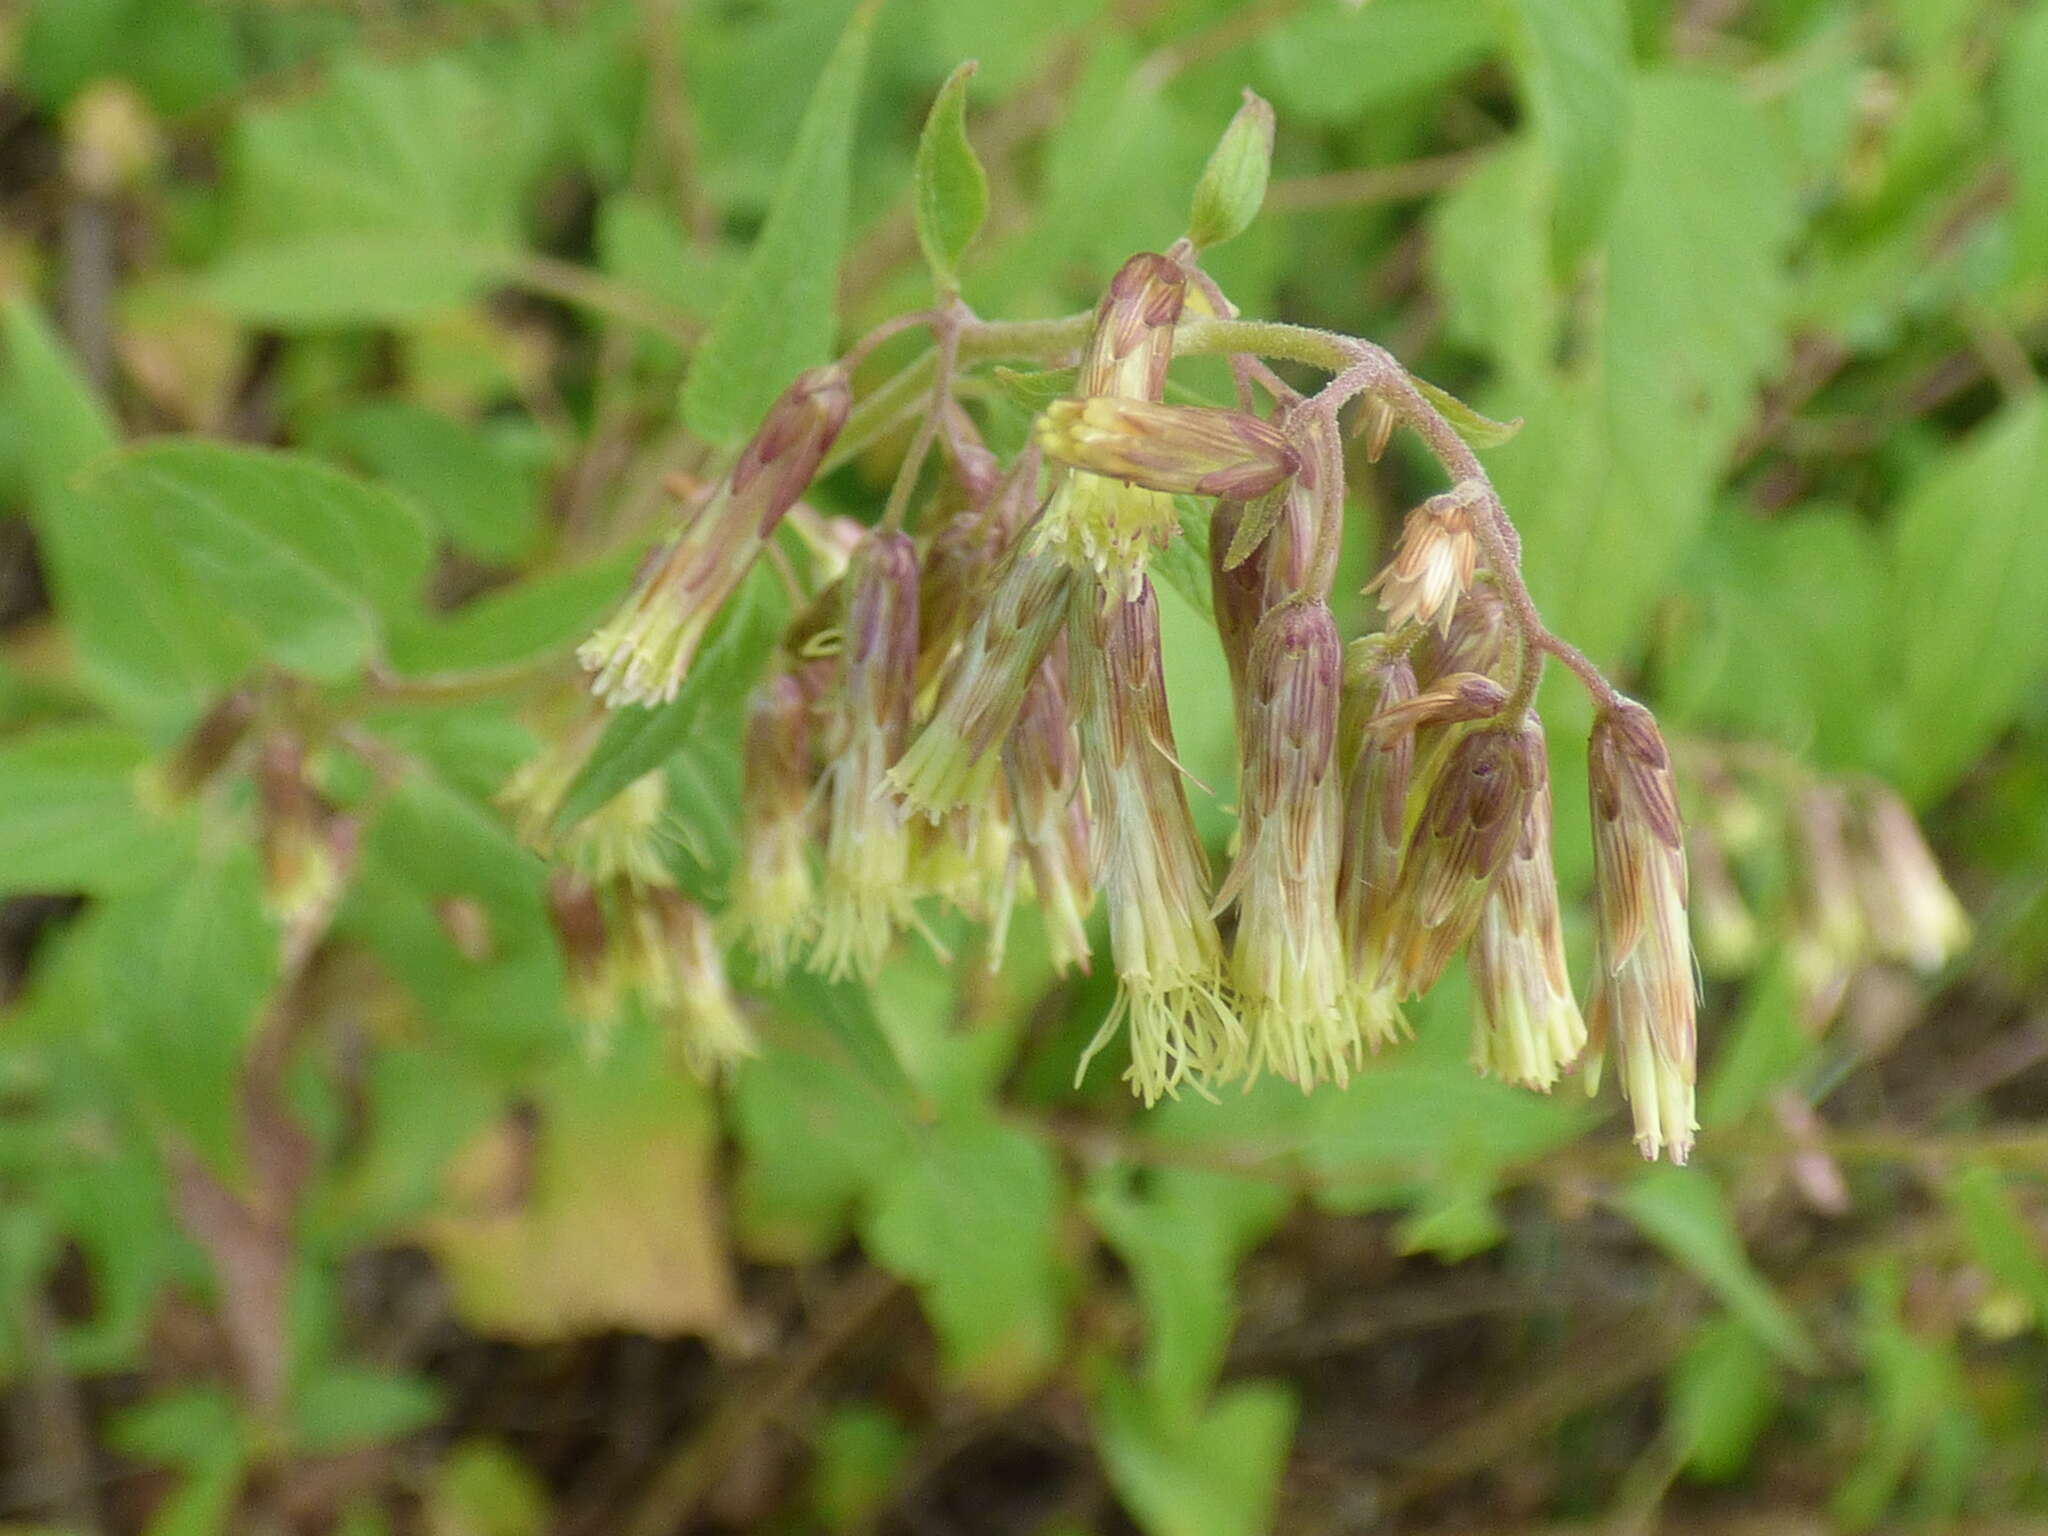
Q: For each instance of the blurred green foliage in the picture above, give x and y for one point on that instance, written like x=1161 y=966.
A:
x=347 y=346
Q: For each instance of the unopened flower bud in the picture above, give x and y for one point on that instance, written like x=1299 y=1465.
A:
x=577 y=917
x=1375 y=423
x=1240 y=591
x=954 y=760
x=694 y=997
x=1131 y=346
x=1288 y=958
x=1433 y=566
x=1196 y=450
x=1042 y=766
x=1830 y=938
x=977 y=470
x=1476 y=640
x=1913 y=916
x=1456 y=699
x=1471 y=822
x=1150 y=867
x=1723 y=928
x=1233 y=183
x=642 y=654
x=1643 y=999
x=774 y=897
x=961 y=562
x=1526 y=1026
x=1092 y=522
x=204 y=750
x=1376 y=779
x=867 y=849
x=111 y=138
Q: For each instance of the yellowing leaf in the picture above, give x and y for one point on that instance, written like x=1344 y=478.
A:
x=605 y=1220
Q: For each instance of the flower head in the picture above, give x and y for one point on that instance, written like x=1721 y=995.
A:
x=1150 y=867
x=1912 y=915
x=1131 y=345
x=1288 y=958
x=1643 y=1000
x=1526 y=1025
x=1042 y=767
x=1830 y=938
x=1723 y=927
x=774 y=895
x=1470 y=824
x=1196 y=450
x=1104 y=525
x=954 y=759
x=641 y=655
x=686 y=986
x=1377 y=773
x=960 y=563
x=1433 y=567
x=867 y=847
x=1475 y=640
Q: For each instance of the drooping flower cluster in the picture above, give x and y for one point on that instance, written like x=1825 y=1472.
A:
x=976 y=715
x=630 y=939
x=1863 y=887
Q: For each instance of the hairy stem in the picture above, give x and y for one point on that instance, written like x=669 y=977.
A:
x=1355 y=366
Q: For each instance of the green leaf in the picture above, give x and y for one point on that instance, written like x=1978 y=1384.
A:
x=306 y=558
x=1767 y=1048
x=179 y=54
x=482 y=1489
x=1572 y=57
x=348 y=1408
x=1490 y=254
x=1914 y=1386
x=481 y=500
x=1214 y=1474
x=950 y=185
x=70 y=819
x=1184 y=564
x=641 y=243
x=1334 y=63
x=544 y=614
x=1477 y=430
x=67 y=426
x=1724 y=1394
x=861 y=1452
x=817 y=1139
x=2001 y=1237
x=779 y=318
x=1182 y=1234
x=1233 y=184
x=1410 y=1118
x=1972 y=573
x=349 y=277
x=429 y=146
x=970 y=1218
x=1612 y=478
x=188 y=967
x=152 y=645
x=1768 y=651
x=1684 y=1212
x=2022 y=87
